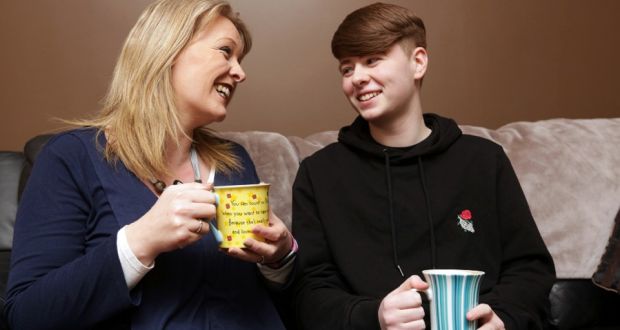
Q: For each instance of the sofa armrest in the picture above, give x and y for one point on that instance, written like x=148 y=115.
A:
x=31 y=151
x=579 y=304
x=11 y=164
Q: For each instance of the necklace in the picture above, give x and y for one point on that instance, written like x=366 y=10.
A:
x=193 y=159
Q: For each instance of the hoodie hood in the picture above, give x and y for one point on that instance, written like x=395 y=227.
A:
x=444 y=132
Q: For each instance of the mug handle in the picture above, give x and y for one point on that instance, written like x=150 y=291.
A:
x=216 y=233
x=428 y=292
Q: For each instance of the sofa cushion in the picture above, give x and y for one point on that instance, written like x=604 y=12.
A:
x=569 y=170
x=312 y=143
x=276 y=162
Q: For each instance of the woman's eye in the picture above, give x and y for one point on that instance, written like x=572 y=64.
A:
x=226 y=50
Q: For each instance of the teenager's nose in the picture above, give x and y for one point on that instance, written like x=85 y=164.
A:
x=360 y=77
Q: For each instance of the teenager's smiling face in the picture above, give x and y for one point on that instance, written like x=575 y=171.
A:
x=206 y=73
x=381 y=86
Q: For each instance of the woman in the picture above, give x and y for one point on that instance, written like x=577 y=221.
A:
x=100 y=242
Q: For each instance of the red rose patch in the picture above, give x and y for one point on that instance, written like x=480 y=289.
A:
x=465 y=220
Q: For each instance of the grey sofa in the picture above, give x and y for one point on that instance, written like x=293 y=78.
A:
x=569 y=170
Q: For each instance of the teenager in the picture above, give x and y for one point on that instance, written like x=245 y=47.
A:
x=403 y=191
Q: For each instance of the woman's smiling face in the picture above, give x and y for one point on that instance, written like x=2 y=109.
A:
x=206 y=73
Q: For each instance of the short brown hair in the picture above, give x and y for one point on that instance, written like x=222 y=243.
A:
x=375 y=28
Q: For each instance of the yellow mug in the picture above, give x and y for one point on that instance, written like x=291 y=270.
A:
x=239 y=209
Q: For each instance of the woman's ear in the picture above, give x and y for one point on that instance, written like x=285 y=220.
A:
x=419 y=58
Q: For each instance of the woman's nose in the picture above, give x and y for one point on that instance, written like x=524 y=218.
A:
x=236 y=71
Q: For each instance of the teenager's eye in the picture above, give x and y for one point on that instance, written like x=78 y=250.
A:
x=346 y=71
x=372 y=60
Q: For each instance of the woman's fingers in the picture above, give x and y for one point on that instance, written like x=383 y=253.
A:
x=198 y=210
x=272 y=233
x=261 y=252
x=275 y=232
x=188 y=201
x=278 y=240
x=175 y=220
x=186 y=204
x=194 y=192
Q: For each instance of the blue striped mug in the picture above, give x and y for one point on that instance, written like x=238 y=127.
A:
x=451 y=294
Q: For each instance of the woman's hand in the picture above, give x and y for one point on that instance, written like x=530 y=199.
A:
x=402 y=308
x=487 y=319
x=173 y=222
x=278 y=243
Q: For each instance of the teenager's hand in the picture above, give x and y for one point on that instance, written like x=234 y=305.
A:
x=173 y=222
x=278 y=243
x=487 y=319
x=402 y=308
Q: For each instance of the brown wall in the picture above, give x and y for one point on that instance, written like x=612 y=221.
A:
x=491 y=62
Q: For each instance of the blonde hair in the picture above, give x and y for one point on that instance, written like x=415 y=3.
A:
x=139 y=111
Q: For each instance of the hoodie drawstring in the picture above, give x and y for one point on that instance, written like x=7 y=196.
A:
x=391 y=207
x=429 y=214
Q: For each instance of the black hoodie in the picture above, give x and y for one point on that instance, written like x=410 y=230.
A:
x=367 y=216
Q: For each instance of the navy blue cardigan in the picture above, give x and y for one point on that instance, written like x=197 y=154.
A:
x=65 y=269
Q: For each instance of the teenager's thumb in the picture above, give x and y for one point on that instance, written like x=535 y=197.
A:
x=413 y=282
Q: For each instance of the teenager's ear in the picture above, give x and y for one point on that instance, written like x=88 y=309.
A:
x=419 y=58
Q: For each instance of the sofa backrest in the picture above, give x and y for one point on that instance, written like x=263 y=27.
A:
x=569 y=170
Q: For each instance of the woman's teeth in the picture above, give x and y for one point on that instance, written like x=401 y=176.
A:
x=223 y=90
